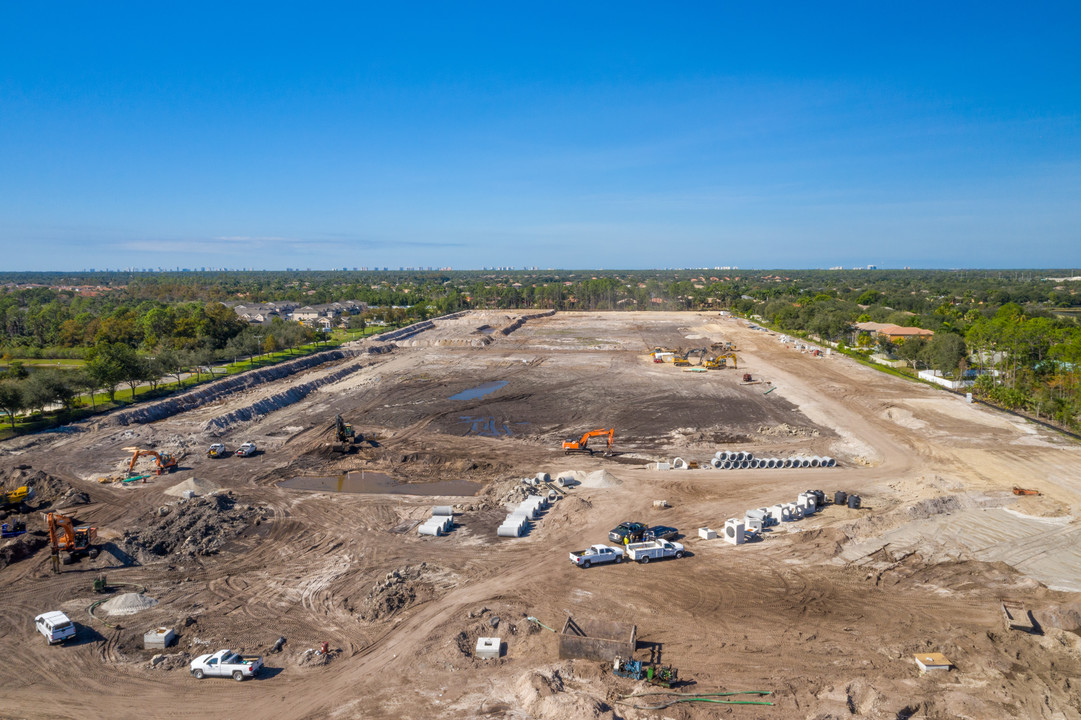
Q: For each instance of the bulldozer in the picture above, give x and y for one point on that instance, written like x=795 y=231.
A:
x=13 y=498
x=68 y=540
x=165 y=461
x=582 y=445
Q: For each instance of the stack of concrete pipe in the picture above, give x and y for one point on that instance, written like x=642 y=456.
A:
x=743 y=460
x=438 y=524
x=515 y=523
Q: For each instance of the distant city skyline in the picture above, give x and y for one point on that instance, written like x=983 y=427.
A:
x=625 y=135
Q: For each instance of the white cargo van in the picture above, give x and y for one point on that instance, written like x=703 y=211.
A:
x=55 y=626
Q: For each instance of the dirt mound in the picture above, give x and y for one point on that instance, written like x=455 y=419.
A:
x=549 y=694
x=71 y=498
x=128 y=604
x=46 y=487
x=172 y=661
x=403 y=588
x=601 y=479
x=786 y=430
x=196 y=485
x=194 y=527
x=20 y=548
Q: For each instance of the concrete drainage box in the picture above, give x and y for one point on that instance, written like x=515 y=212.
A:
x=597 y=640
x=158 y=639
x=488 y=648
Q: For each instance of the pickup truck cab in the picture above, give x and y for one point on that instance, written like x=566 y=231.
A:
x=631 y=530
x=226 y=663
x=660 y=532
x=55 y=626
x=217 y=450
x=596 y=554
x=643 y=552
x=246 y=450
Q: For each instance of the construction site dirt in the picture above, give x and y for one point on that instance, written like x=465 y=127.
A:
x=826 y=612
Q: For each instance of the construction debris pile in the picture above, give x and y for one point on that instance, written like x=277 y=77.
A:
x=404 y=587
x=193 y=527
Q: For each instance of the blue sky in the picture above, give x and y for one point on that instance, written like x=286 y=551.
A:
x=616 y=135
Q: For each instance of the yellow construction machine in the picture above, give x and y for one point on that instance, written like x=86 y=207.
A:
x=720 y=362
x=12 y=498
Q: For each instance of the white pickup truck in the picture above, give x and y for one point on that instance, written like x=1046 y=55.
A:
x=643 y=552
x=597 y=554
x=225 y=663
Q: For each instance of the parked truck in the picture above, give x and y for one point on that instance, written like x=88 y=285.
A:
x=643 y=552
x=597 y=554
x=226 y=663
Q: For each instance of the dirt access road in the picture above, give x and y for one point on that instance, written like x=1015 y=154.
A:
x=826 y=612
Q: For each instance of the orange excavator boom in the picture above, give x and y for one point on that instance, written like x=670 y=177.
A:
x=582 y=445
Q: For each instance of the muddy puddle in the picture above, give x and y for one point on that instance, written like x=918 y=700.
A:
x=365 y=482
x=486 y=330
x=479 y=391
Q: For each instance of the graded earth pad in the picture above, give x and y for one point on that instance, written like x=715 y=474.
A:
x=827 y=611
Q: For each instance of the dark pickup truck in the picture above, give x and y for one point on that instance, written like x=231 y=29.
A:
x=637 y=532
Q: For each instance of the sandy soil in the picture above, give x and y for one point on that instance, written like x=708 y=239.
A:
x=825 y=612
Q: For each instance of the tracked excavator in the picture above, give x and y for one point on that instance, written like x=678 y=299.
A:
x=165 y=461
x=720 y=362
x=344 y=435
x=74 y=541
x=582 y=445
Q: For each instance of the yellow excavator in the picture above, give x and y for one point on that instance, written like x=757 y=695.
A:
x=582 y=445
x=720 y=362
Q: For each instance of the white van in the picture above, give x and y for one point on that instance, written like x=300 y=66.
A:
x=55 y=626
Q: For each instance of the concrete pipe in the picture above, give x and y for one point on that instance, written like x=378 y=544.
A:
x=509 y=531
x=771 y=463
x=552 y=496
x=744 y=464
x=720 y=455
x=829 y=462
x=816 y=461
x=750 y=456
x=443 y=510
x=426 y=529
x=543 y=477
x=679 y=464
x=715 y=463
x=726 y=465
x=804 y=462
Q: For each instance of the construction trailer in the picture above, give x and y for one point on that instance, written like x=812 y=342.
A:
x=597 y=640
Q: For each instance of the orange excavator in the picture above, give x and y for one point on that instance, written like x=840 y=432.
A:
x=165 y=461
x=582 y=445
x=71 y=539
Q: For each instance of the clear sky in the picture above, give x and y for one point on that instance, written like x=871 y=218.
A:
x=571 y=135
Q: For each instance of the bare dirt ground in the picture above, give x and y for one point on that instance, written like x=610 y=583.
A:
x=825 y=612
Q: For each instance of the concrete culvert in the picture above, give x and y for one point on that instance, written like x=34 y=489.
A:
x=543 y=477
x=443 y=510
x=679 y=464
x=715 y=462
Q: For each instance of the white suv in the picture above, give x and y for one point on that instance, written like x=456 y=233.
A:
x=55 y=626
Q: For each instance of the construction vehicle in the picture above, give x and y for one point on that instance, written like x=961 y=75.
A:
x=15 y=529
x=582 y=445
x=72 y=540
x=20 y=494
x=1025 y=491
x=662 y=675
x=343 y=430
x=165 y=461
x=700 y=352
x=720 y=362
x=217 y=450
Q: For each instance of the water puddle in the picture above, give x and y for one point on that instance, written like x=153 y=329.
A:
x=480 y=390
x=366 y=482
x=486 y=330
